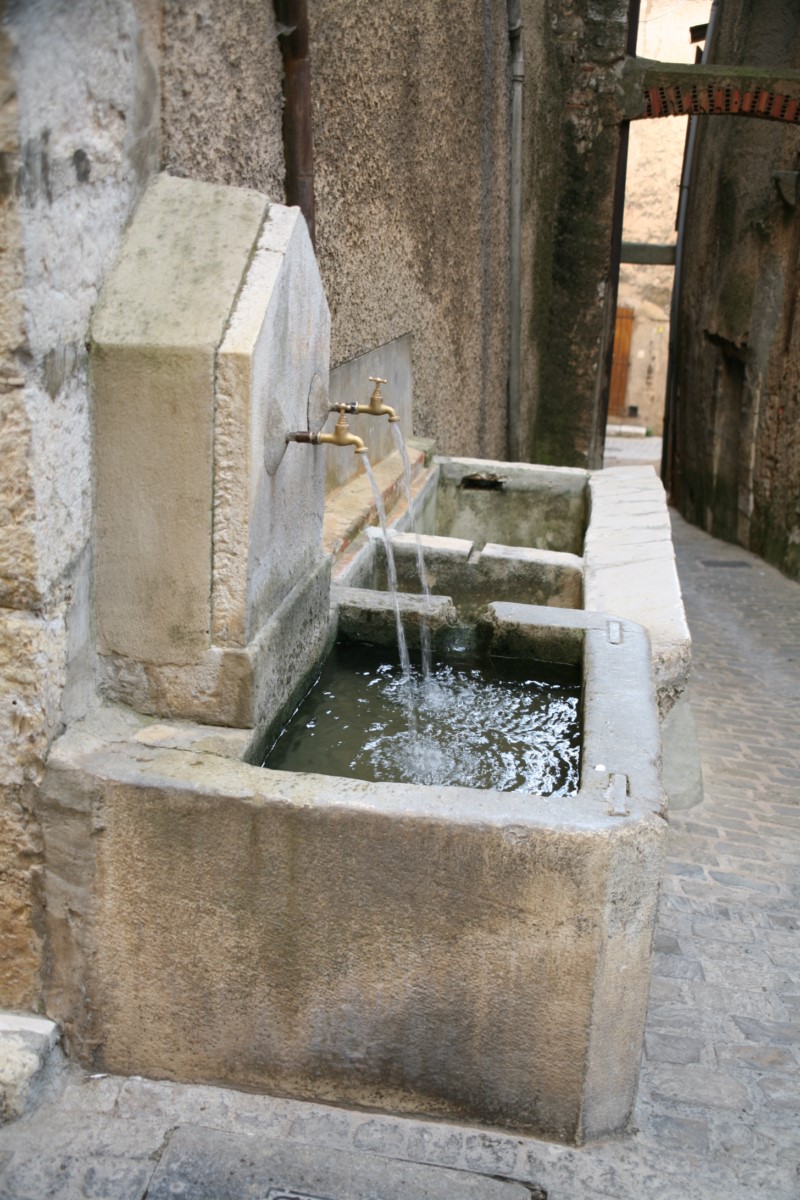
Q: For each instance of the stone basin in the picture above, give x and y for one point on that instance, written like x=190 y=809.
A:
x=555 y=536
x=442 y=951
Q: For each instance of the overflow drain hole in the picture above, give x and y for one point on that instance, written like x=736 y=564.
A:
x=482 y=483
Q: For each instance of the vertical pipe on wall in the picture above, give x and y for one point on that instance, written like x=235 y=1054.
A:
x=298 y=141
x=515 y=227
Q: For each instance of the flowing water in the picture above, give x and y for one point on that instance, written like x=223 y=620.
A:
x=425 y=625
x=391 y=570
x=501 y=724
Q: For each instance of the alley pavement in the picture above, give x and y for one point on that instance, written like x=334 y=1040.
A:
x=718 y=1112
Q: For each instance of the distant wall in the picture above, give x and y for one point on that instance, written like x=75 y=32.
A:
x=736 y=465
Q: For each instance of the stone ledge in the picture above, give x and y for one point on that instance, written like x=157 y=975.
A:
x=29 y=1058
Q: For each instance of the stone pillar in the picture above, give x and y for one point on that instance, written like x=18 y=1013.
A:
x=209 y=343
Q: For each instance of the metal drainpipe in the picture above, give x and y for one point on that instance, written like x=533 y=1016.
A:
x=670 y=404
x=298 y=141
x=618 y=215
x=515 y=230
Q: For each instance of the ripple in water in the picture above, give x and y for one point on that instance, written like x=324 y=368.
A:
x=502 y=725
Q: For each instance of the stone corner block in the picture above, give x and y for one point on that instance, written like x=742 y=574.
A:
x=29 y=1056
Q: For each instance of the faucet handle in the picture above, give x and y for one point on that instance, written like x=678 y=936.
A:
x=377 y=379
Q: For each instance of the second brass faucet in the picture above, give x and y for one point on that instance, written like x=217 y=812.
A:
x=376 y=406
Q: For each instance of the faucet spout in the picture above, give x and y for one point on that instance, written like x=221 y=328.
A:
x=341 y=436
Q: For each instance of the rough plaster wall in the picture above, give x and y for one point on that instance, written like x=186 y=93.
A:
x=737 y=458
x=540 y=131
x=79 y=129
x=586 y=46
x=412 y=200
x=221 y=93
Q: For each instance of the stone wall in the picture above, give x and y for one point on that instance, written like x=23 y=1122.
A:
x=411 y=116
x=411 y=177
x=569 y=201
x=412 y=200
x=736 y=465
x=221 y=93
x=76 y=155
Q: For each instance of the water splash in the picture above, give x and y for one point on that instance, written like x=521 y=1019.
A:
x=501 y=725
x=425 y=622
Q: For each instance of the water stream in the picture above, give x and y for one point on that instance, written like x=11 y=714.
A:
x=391 y=571
x=425 y=626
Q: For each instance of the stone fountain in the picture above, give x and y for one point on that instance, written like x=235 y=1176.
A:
x=462 y=953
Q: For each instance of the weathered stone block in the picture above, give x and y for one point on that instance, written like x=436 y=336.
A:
x=210 y=344
x=160 y=319
x=448 y=951
x=27 y=1062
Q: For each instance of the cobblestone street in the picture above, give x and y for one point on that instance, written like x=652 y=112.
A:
x=718 y=1114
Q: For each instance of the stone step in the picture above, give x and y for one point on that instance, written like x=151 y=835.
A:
x=210 y=1165
x=30 y=1058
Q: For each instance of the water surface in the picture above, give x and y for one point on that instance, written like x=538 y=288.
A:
x=498 y=724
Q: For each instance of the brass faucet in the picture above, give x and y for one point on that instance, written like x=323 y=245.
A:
x=375 y=408
x=341 y=435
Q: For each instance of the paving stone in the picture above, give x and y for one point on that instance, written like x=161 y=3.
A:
x=714 y=998
x=732 y=1134
x=436 y=1144
x=381 y=1136
x=91 y=1093
x=670 y=1048
x=666 y=943
x=743 y=881
x=209 y=1165
x=41 y=1176
x=758 y=1058
x=489 y=1154
x=723 y=931
x=681 y=1133
x=326 y=1127
x=769 y=1031
x=782 y=1091
x=677 y=968
x=688 y=870
x=698 y=1085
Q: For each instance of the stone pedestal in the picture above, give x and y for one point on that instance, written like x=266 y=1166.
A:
x=210 y=342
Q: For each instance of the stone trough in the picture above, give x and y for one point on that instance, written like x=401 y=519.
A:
x=555 y=536
x=446 y=951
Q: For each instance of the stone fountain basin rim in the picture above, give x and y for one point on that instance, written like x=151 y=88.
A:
x=618 y=703
x=115 y=745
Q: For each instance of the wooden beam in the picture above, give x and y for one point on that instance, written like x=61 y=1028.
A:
x=648 y=253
